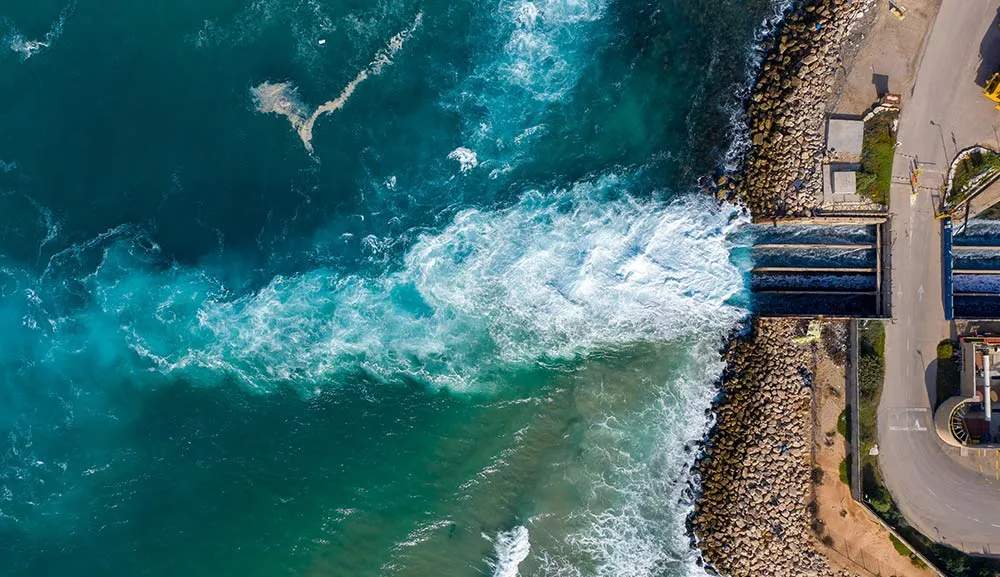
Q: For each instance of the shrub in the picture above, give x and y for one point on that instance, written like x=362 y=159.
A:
x=876 y=495
x=871 y=370
x=871 y=337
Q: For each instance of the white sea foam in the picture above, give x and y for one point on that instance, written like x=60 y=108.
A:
x=632 y=472
x=558 y=275
x=282 y=98
x=544 y=41
x=466 y=158
x=509 y=549
x=15 y=40
x=545 y=45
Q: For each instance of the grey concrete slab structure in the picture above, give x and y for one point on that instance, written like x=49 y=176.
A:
x=844 y=138
x=845 y=182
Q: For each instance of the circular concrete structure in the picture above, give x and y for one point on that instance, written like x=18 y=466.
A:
x=943 y=417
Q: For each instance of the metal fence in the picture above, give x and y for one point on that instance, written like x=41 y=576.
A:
x=853 y=398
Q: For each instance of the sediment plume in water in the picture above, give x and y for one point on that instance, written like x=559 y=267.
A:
x=282 y=98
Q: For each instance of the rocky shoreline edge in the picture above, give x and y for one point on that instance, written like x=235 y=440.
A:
x=753 y=496
x=786 y=110
x=753 y=515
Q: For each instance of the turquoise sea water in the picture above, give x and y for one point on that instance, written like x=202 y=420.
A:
x=474 y=331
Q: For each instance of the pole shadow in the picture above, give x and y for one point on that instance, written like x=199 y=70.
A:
x=930 y=382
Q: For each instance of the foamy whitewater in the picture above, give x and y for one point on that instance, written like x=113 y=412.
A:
x=512 y=547
x=474 y=331
x=26 y=48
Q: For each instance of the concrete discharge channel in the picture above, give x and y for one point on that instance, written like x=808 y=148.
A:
x=812 y=269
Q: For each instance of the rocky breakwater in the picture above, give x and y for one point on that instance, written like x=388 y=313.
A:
x=787 y=112
x=753 y=515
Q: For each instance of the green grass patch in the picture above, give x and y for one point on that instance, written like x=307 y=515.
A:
x=845 y=471
x=844 y=423
x=905 y=551
x=899 y=546
x=877 y=151
x=968 y=169
x=948 y=376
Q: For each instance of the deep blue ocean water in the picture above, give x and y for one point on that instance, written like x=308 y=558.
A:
x=473 y=331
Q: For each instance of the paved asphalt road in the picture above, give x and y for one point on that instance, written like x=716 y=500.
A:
x=946 y=111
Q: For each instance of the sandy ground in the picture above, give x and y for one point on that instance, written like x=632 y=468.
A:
x=888 y=54
x=860 y=544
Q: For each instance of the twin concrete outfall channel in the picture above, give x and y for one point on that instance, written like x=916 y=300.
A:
x=940 y=489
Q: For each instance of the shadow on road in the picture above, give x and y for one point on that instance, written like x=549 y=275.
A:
x=930 y=381
x=989 y=52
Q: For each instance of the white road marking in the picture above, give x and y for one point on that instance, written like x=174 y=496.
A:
x=900 y=419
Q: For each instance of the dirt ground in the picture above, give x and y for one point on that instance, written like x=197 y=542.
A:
x=887 y=56
x=859 y=543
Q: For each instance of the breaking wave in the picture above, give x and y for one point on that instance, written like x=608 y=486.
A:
x=510 y=548
x=466 y=159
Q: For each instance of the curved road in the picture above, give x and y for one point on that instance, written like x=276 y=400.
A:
x=940 y=491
